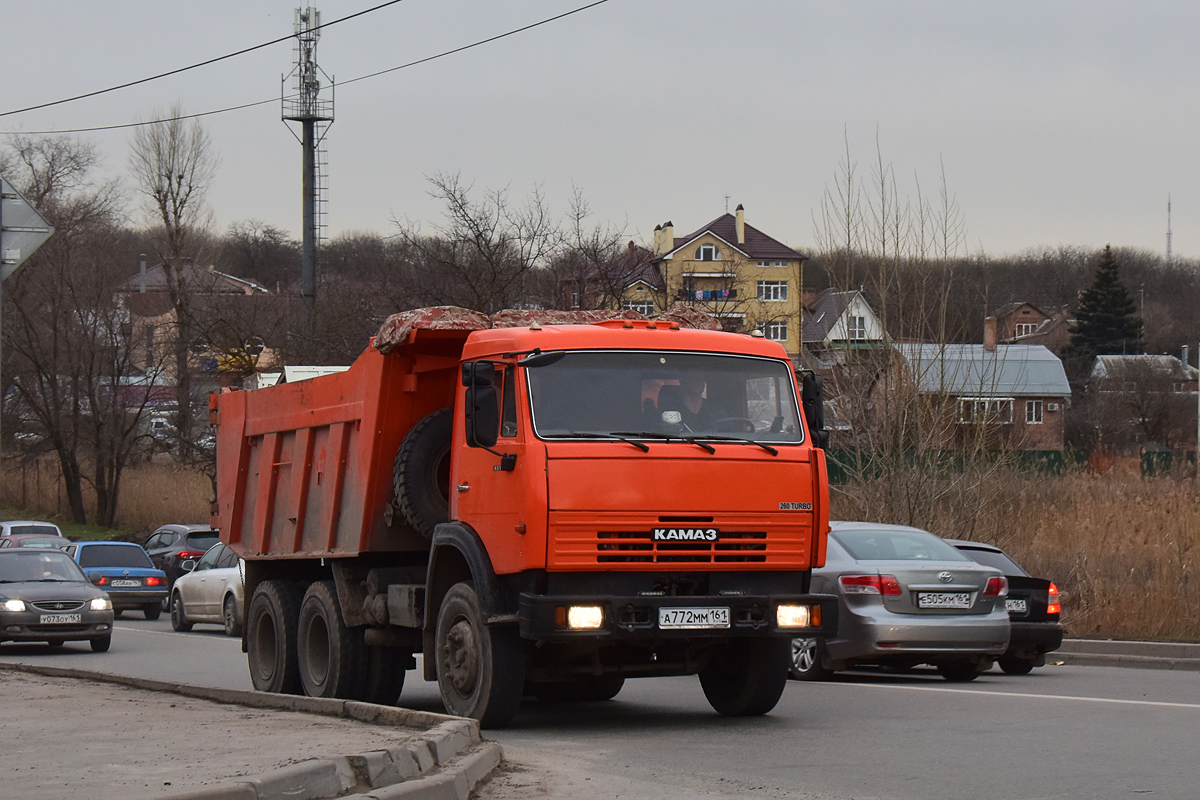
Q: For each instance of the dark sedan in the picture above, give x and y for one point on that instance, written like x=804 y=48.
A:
x=1033 y=610
x=45 y=597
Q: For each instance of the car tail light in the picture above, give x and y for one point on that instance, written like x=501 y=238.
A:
x=996 y=587
x=100 y=580
x=1053 y=607
x=153 y=580
x=870 y=584
x=190 y=554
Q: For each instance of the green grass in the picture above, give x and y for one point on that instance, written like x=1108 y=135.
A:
x=73 y=530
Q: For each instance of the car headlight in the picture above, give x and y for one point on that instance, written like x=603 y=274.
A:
x=14 y=605
x=101 y=604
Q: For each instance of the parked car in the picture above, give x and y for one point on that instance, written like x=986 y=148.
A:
x=124 y=571
x=171 y=545
x=212 y=592
x=1033 y=610
x=29 y=526
x=905 y=597
x=45 y=597
x=34 y=540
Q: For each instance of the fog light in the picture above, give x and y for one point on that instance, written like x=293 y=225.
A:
x=792 y=616
x=13 y=629
x=585 y=618
x=14 y=605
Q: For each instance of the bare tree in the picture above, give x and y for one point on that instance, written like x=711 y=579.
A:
x=173 y=164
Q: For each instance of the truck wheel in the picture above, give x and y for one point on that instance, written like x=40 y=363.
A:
x=747 y=678
x=422 y=473
x=1015 y=665
x=271 y=623
x=806 y=660
x=385 y=674
x=331 y=653
x=480 y=668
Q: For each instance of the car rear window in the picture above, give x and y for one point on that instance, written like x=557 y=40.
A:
x=41 y=530
x=990 y=558
x=202 y=540
x=890 y=545
x=113 y=555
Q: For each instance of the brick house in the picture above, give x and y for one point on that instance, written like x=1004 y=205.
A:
x=1025 y=323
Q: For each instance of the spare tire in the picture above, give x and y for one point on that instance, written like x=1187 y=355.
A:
x=422 y=473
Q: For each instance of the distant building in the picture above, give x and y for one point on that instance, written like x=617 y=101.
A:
x=837 y=323
x=1025 y=323
x=630 y=281
x=1144 y=402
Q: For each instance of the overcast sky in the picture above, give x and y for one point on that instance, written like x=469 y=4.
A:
x=1058 y=123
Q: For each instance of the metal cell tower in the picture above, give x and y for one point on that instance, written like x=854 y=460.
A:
x=315 y=114
x=1168 y=227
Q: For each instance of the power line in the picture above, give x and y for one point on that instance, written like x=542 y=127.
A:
x=275 y=99
x=243 y=51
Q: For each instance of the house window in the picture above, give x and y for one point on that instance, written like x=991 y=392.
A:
x=772 y=263
x=772 y=291
x=985 y=410
x=776 y=331
x=574 y=299
x=640 y=306
x=708 y=252
x=1025 y=328
x=1033 y=412
x=856 y=328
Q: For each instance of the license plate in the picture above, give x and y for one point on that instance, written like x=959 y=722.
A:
x=61 y=619
x=943 y=600
x=694 y=618
x=122 y=583
x=1015 y=606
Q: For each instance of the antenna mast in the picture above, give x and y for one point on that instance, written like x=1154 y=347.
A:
x=1168 y=227
x=315 y=115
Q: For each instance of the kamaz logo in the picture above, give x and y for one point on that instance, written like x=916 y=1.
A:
x=685 y=534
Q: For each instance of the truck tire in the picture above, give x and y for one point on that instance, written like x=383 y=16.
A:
x=271 y=624
x=331 y=654
x=747 y=678
x=422 y=472
x=480 y=668
x=385 y=674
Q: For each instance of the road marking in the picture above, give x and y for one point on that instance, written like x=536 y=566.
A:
x=1027 y=695
x=214 y=637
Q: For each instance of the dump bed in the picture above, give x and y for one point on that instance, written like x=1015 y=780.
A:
x=305 y=469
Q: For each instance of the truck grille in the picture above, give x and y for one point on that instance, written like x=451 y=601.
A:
x=629 y=547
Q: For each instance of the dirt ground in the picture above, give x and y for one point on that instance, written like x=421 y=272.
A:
x=70 y=738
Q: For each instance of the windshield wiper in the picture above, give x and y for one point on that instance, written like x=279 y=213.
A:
x=617 y=436
x=667 y=437
x=763 y=445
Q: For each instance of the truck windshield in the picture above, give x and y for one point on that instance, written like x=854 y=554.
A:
x=657 y=394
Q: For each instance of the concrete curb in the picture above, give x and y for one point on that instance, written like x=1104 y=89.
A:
x=447 y=764
x=1183 y=656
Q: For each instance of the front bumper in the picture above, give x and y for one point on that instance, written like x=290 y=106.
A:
x=636 y=617
x=26 y=626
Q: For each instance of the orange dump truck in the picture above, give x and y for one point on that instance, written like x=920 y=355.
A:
x=539 y=509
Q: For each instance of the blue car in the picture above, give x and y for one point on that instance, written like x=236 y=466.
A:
x=125 y=571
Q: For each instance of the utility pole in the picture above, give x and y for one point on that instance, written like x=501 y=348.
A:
x=315 y=115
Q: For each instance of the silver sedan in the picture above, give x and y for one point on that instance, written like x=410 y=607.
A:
x=210 y=591
x=905 y=597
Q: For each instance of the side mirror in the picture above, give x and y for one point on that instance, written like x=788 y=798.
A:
x=189 y=565
x=482 y=407
x=812 y=398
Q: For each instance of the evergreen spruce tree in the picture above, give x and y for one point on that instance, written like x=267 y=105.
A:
x=1105 y=322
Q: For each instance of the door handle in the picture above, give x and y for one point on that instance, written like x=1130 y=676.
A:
x=462 y=487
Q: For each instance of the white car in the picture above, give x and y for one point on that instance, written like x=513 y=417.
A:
x=27 y=526
x=211 y=592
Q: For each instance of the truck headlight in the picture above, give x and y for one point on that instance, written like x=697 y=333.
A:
x=14 y=605
x=585 y=618
x=101 y=604
x=792 y=616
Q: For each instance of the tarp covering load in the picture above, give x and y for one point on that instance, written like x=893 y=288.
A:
x=396 y=328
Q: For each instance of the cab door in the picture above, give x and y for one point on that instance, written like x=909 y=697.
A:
x=490 y=498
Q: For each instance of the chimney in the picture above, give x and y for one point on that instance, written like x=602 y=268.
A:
x=741 y=224
x=1184 y=357
x=989 y=334
x=142 y=274
x=668 y=237
x=657 y=239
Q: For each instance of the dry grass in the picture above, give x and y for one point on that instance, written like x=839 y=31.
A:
x=151 y=495
x=1123 y=550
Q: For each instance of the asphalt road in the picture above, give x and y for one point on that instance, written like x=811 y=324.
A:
x=1060 y=732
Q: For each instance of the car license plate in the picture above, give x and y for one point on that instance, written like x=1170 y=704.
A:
x=61 y=619
x=694 y=618
x=1015 y=606
x=122 y=583
x=943 y=600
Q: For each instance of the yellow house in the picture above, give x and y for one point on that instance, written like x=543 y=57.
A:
x=736 y=272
